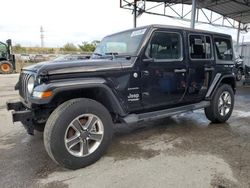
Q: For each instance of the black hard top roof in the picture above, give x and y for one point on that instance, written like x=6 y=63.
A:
x=175 y=27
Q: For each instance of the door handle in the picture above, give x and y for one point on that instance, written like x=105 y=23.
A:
x=209 y=68
x=180 y=70
x=145 y=73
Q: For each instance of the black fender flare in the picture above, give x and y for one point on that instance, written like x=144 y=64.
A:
x=69 y=84
x=218 y=79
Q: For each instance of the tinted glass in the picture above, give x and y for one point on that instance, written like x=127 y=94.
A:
x=200 y=47
x=3 y=51
x=164 y=46
x=122 y=43
x=224 y=49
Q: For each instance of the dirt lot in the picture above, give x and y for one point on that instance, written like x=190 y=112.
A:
x=182 y=151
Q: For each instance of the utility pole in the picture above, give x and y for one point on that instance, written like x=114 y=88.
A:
x=242 y=45
x=194 y=4
x=238 y=38
x=42 y=36
x=135 y=13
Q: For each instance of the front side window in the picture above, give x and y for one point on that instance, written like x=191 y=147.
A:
x=164 y=46
x=200 y=47
x=3 y=51
x=224 y=49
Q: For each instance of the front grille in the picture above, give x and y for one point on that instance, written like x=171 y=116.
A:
x=23 y=82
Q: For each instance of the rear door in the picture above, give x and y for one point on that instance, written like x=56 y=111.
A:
x=201 y=66
x=163 y=70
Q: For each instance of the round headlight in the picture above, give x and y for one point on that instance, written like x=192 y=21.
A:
x=31 y=84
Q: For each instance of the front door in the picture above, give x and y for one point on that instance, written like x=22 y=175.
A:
x=163 y=70
x=201 y=66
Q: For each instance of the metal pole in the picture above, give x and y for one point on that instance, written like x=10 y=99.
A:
x=238 y=38
x=242 y=44
x=135 y=13
x=42 y=36
x=193 y=14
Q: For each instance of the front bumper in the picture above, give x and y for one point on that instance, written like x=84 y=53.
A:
x=21 y=113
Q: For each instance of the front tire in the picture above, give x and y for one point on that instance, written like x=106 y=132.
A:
x=78 y=132
x=221 y=106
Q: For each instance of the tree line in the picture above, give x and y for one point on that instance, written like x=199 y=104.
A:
x=67 y=48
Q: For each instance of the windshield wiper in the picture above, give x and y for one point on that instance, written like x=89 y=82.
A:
x=117 y=55
x=98 y=54
x=111 y=53
x=114 y=55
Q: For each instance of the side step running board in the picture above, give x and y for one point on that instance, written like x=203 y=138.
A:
x=134 y=118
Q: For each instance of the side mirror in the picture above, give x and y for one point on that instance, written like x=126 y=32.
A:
x=148 y=60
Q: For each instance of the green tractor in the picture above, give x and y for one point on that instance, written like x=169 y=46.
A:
x=7 y=59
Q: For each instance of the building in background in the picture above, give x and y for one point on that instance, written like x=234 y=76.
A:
x=245 y=52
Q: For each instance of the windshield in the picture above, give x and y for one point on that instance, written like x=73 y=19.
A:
x=3 y=51
x=125 y=43
x=61 y=58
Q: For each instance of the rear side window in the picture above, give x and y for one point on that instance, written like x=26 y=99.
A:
x=165 y=46
x=224 y=49
x=200 y=47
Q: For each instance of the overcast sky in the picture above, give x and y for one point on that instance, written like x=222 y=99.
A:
x=74 y=21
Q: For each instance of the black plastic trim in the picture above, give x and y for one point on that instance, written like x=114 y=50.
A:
x=21 y=114
x=14 y=106
x=67 y=85
x=134 y=118
x=215 y=84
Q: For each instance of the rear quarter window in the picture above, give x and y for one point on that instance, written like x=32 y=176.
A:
x=223 y=48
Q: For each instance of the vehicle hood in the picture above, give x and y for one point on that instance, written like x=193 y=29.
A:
x=90 y=65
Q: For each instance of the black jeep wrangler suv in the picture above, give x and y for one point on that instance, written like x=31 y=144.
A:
x=136 y=75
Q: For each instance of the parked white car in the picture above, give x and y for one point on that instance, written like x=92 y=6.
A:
x=25 y=57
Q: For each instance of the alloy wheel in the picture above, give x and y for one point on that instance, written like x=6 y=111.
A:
x=225 y=103
x=84 y=135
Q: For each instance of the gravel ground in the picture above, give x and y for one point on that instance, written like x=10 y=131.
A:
x=181 y=151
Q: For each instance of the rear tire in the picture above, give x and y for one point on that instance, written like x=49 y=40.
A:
x=6 y=67
x=78 y=132
x=239 y=75
x=221 y=106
